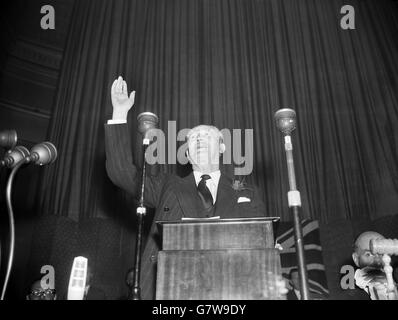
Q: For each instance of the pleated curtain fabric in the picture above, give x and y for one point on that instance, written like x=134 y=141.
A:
x=233 y=63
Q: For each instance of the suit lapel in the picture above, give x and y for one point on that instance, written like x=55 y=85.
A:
x=188 y=197
x=225 y=197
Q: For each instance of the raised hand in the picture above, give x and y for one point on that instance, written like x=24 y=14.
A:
x=121 y=100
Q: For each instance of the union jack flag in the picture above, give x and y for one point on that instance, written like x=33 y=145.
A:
x=317 y=281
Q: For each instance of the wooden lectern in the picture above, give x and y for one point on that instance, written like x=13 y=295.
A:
x=220 y=259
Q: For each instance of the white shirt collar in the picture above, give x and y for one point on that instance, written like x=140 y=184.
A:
x=215 y=176
x=212 y=183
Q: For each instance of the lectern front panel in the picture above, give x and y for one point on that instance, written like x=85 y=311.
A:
x=218 y=274
x=223 y=259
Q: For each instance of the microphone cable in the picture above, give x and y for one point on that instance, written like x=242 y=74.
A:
x=12 y=227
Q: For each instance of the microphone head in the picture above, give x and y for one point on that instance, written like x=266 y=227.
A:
x=285 y=120
x=384 y=246
x=8 y=139
x=146 y=122
x=14 y=156
x=43 y=153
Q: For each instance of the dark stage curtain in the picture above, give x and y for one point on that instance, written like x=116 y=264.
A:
x=233 y=63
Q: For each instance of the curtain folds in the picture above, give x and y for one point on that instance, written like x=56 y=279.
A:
x=233 y=63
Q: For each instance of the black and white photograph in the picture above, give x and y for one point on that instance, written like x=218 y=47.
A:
x=217 y=152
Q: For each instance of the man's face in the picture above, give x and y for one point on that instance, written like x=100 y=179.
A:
x=367 y=259
x=204 y=146
x=362 y=256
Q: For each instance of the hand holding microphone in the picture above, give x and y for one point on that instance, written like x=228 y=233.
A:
x=386 y=247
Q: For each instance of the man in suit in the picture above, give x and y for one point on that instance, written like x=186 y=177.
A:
x=371 y=276
x=294 y=292
x=206 y=192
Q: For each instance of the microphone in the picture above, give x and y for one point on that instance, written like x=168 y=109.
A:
x=42 y=154
x=12 y=157
x=384 y=246
x=147 y=121
x=78 y=278
x=285 y=120
x=8 y=139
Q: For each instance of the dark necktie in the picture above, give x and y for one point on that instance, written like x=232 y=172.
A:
x=205 y=193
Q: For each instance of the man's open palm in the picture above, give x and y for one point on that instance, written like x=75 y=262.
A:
x=121 y=100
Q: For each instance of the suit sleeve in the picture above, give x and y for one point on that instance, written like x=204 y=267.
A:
x=121 y=169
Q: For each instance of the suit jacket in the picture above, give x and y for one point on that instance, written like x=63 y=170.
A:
x=172 y=196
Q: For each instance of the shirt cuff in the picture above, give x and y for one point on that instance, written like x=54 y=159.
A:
x=116 y=121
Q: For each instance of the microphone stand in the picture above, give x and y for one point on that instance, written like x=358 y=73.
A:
x=286 y=122
x=294 y=204
x=135 y=290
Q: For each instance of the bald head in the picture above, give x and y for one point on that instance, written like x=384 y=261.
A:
x=211 y=130
x=363 y=240
x=36 y=285
x=362 y=255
